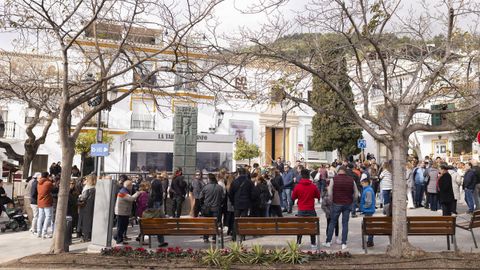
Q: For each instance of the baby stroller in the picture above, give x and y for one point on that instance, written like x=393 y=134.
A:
x=17 y=220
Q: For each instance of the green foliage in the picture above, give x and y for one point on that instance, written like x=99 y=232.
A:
x=294 y=255
x=245 y=150
x=213 y=257
x=257 y=256
x=334 y=128
x=237 y=253
x=85 y=140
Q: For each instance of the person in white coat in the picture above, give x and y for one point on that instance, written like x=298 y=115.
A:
x=456 y=186
x=410 y=184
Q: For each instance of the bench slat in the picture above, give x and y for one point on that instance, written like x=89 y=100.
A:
x=275 y=232
x=429 y=218
x=434 y=224
x=179 y=232
x=276 y=219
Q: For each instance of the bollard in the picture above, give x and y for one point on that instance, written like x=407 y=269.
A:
x=68 y=233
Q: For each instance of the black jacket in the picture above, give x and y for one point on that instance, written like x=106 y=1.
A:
x=476 y=169
x=241 y=193
x=470 y=179
x=156 y=194
x=277 y=183
x=34 y=192
x=179 y=186
x=445 y=190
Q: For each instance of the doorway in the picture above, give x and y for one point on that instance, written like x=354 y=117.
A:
x=274 y=144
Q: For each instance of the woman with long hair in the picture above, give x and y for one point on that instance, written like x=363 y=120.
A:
x=86 y=202
x=229 y=217
x=386 y=182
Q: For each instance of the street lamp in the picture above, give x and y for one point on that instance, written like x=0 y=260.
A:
x=283 y=104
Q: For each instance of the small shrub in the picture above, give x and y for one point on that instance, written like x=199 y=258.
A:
x=257 y=255
x=213 y=257
x=294 y=255
x=237 y=253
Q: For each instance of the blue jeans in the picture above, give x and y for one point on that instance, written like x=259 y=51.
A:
x=287 y=199
x=370 y=237
x=469 y=193
x=386 y=197
x=338 y=209
x=321 y=184
x=44 y=220
x=418 y=194
x=432 y=201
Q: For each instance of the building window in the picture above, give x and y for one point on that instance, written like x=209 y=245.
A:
x=143 y=113
x=184 y=79
x=143 y=75
x=439 y=119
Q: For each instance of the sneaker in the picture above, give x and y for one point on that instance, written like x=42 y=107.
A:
x=339 y=241
x=39 y=235
x=164 y=244
x=370 y=244
x=206 y=241
x=314 y=247
x=327 y=244
x=344 y=246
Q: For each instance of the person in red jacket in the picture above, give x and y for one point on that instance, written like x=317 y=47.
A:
x=306 y=192
x=45 y=205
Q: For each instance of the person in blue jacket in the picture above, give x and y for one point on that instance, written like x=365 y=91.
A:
x=367 y=204
x=288 y=180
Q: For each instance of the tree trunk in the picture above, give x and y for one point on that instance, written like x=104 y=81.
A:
x=27 y=162
x=31 y=150
x=68 y=151
x=400 y=247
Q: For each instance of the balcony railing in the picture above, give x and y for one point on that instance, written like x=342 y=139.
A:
x=7 y=129
x=143 y=121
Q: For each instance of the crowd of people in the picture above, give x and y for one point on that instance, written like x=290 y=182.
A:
x=343 y=188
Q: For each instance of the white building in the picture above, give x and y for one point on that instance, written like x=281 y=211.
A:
x=142 y=125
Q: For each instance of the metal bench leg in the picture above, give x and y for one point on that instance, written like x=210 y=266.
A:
x=474 y=240
x=318 y=242
x=455 y=243
x=149 y=241
x=448 y=242
x=363 y=243
x=221 y=235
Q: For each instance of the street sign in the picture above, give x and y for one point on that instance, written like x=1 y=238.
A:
x=99 y=150
x=362 y=144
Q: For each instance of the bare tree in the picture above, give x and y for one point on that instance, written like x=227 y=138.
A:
x=394 y=70
x=100 y=46
x=31 y=79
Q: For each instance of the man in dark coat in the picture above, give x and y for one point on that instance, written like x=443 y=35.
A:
x=445 y=191
x=241 y=194
x=178 y=190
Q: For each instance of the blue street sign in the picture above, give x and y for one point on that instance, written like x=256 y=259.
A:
x=99 y=150
x=362 y=144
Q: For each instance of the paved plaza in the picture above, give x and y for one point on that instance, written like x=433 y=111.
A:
x=21 y=244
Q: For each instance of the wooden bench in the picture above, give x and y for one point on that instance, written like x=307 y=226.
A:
x=180 y=226
x=469 y=225
x=277 y=226
x=416 y=226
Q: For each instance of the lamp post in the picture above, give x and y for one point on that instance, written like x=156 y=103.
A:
x=283 y=105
